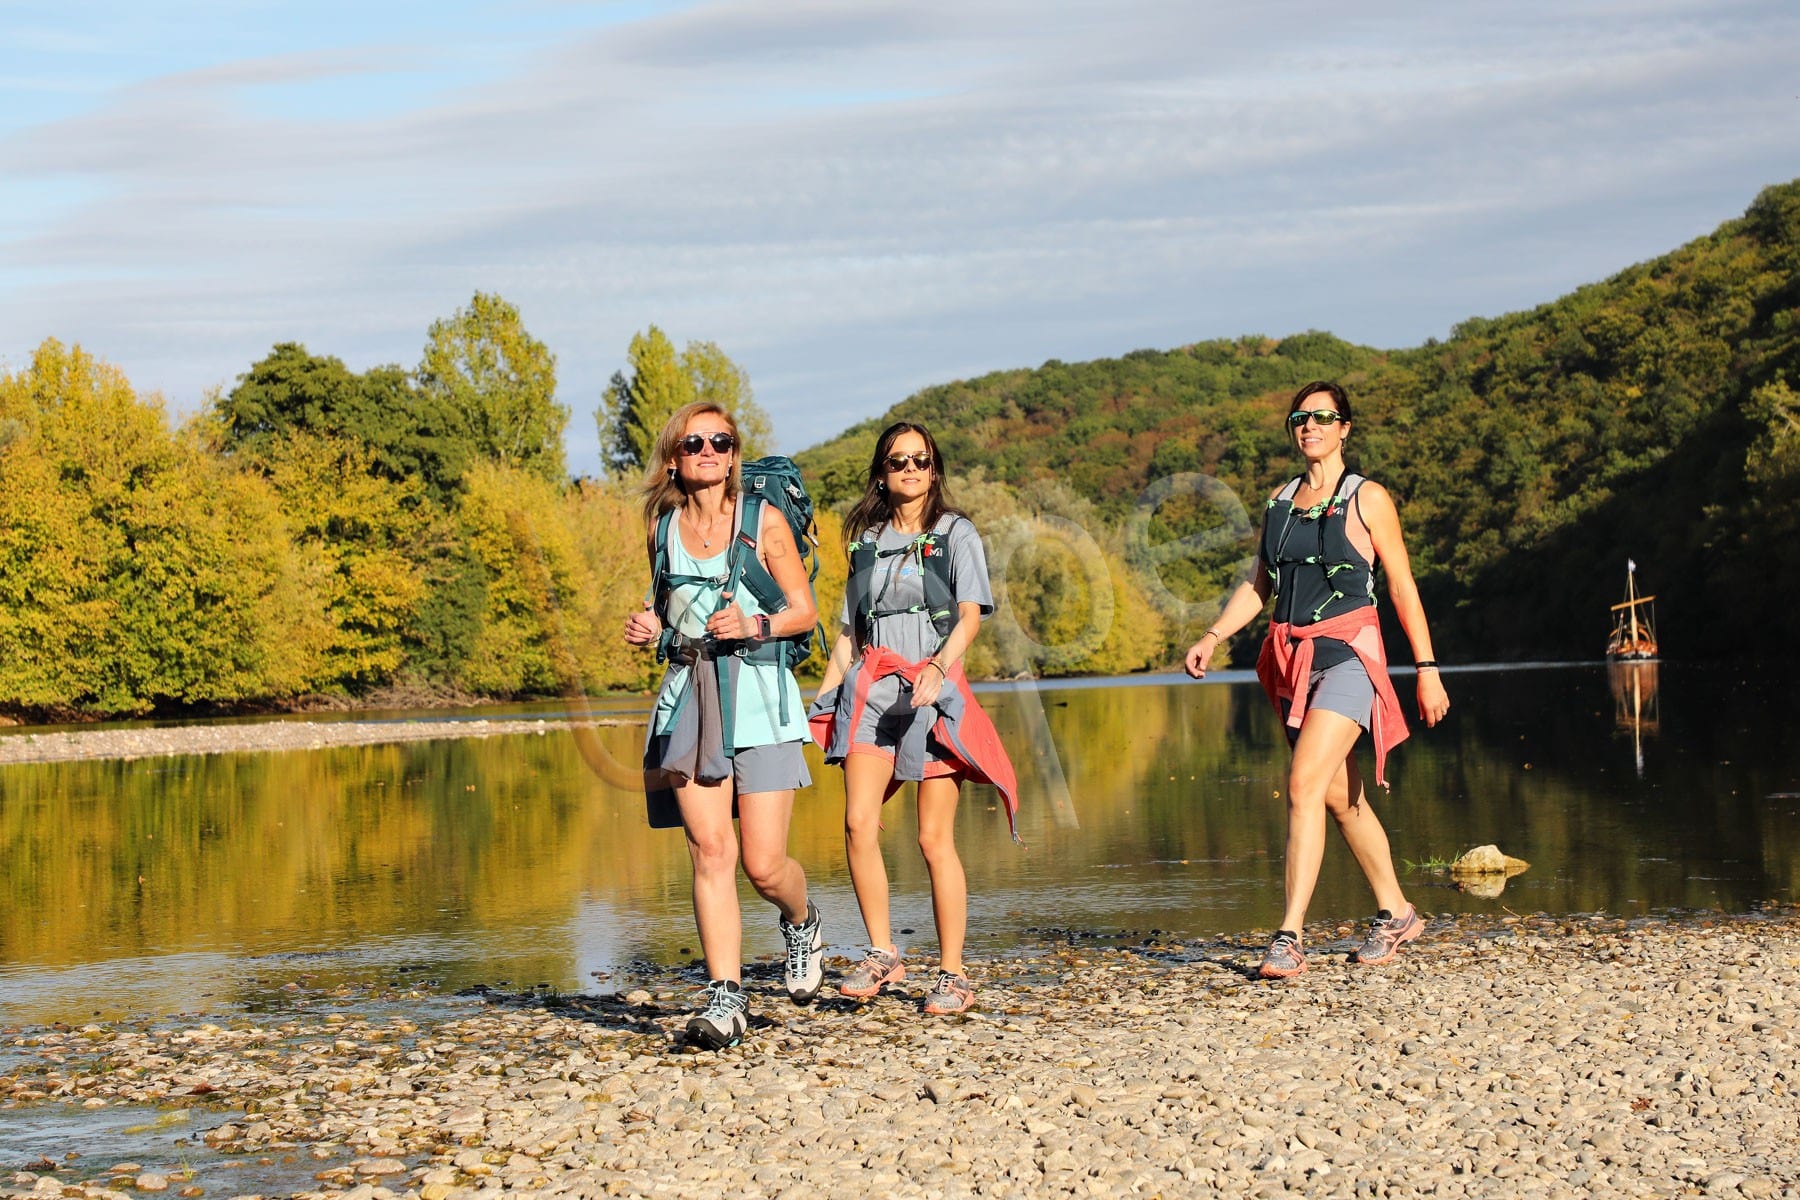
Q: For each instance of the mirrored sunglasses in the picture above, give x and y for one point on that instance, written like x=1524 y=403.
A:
x=1323 y=416
x=897 y=462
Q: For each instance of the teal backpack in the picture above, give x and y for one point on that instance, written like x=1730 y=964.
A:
x=773 y=480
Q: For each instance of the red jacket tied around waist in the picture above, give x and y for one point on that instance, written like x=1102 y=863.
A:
x=962 y=730
x=1285 y=669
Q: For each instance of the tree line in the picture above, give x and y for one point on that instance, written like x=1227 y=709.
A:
x=398 y=535
x=317 y=534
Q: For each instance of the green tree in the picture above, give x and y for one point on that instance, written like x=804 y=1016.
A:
x=500 y=382
x=636 y=406
x=354 y=533
x=135 y=570
x=410 y=432
x=539 y=625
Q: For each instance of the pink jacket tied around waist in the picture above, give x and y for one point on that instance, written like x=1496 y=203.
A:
x=1285 y=669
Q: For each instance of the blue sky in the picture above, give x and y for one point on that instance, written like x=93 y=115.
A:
x=857 y=198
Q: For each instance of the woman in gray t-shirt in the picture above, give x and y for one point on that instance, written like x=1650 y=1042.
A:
x=895 y=687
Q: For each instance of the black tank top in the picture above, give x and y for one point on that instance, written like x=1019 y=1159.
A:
x=1314 y=569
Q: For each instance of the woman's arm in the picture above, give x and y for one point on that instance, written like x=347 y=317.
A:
x=1383 y=520
x=642 y=628
x=931 y=679
x=838 y=665
x=775 y=547
x=1239 y=611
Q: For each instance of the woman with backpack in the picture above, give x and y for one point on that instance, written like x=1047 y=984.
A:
x=895 y=704
x=727 y=731
x=1324 y=667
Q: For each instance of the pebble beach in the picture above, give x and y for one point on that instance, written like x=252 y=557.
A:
x=1530 y=1056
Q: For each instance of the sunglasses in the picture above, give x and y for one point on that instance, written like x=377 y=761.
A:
x=1323 y=416
x=722 y=443
x=897 y=462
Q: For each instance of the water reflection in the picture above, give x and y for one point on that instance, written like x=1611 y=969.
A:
x=183 y=884
x=1635 y=710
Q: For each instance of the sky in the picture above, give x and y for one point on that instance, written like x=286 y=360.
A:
x=857 y=198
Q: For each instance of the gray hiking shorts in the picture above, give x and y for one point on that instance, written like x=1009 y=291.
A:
x=1343 y=688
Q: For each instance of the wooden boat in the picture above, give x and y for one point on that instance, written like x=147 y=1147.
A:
x=1633 y=632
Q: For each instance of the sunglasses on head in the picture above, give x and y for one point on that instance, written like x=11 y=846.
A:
x=722 y=443
x=897 y=462
x=1323 y=416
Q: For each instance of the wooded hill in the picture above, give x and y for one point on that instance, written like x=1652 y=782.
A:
x=1654 y=415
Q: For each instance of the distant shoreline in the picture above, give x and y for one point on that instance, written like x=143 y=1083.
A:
x=23 y=746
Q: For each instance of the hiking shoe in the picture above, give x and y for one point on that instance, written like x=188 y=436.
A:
x=873 y=973
x=805 y=973
x=1387 y=933
x=723 y=1021
x=950 y=994
x=1284 y=960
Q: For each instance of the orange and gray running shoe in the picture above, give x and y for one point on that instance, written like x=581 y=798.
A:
x=951 y=994
x=873 y=973
x=1387 y=933
x=1283 y=960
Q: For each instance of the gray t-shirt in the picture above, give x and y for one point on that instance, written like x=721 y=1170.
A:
x=897 y=581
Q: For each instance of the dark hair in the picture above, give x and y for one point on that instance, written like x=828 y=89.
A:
x=1330 y=389
x=871 y=508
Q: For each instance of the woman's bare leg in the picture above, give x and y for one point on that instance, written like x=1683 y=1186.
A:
x=949 y=886
x=866 y=778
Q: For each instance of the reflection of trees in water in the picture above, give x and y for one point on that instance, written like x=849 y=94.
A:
x=249 y=850
x=271 y=852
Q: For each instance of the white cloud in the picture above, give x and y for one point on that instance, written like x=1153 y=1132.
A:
x=855 y=200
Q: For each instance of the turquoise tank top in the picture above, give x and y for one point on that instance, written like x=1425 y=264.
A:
x=759 y=685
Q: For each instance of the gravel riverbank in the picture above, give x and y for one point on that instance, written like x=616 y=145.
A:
x=1543 y=1056
x=23 y=746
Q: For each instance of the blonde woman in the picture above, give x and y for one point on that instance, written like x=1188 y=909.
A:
x=728 y=726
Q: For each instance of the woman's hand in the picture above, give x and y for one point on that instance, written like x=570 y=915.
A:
x=928 y=685
x=1199 y=655
x=730 y=624
x=1434 y=701
x=642 y=628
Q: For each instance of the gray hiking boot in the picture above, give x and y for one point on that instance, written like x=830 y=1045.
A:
x=726 y=1016
x=805 y=972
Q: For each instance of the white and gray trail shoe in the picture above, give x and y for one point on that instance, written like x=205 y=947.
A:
x=805 y=973
x=725 y=1018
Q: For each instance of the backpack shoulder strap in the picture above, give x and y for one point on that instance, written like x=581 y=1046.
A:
x=743 y=564
x=659 y=565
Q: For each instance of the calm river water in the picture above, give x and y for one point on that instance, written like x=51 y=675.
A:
x=188 y=884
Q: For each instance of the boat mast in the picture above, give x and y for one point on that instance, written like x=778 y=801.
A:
x=1631 y=598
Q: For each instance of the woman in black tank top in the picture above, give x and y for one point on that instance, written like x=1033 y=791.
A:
x=1310 y=562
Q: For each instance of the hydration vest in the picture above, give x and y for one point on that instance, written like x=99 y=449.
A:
x=933 y=549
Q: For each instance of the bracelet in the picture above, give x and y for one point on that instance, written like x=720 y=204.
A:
x=932 y=662
x=1426 y=664
x=1213 y=633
